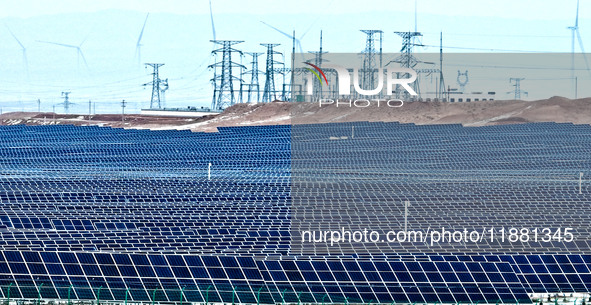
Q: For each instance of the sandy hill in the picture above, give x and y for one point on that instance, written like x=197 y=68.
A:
x=555 y=109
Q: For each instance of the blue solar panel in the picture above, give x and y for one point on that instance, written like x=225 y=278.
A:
x=134 y=210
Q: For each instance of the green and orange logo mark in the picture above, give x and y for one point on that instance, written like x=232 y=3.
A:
x=316 y=73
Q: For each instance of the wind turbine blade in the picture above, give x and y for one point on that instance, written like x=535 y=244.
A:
x=25 y=59
x=211 y=17
x=415 y=15
x=583 y=51
x=299 y=46
x=416 y=38
x=14 y=36
x=328 y=5
x=139 y=39
x=278 y=30
x=577 y=18
x=58 y=44
x=83 y=58
x=287 y=35
x=580 y=41
x=138 y=44
x=306 y=32
x=83 y=41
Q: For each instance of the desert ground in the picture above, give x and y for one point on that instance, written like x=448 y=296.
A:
x=555 y=109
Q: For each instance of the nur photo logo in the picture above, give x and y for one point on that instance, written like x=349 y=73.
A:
x=343 y=79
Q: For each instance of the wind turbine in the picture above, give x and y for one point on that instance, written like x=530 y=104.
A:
x=294 y=42
x=575 y=30
x=138 y=44
x=211 y=17
x=78 y=49
x=416 y=39
x=297 y=41
x=24 y=50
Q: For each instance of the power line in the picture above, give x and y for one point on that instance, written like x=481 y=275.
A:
x=486 y=49
x=500 y=35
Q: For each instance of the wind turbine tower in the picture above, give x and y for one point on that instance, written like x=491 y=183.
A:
x=575 y=32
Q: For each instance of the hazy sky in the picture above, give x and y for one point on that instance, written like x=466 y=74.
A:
x=178 y=33
x=523 y=9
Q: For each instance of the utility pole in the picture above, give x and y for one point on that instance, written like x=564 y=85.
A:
x=38 y=105
x=66 y=95
x=123 y=111
x=89 y=103
x=223 y=92
x=441 y=81
x=269 y=93
x=292 y=74
x=155 y=99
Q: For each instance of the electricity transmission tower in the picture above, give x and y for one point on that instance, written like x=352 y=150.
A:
x=163 y=88
x=269 y=93
x=253 y=87
x=223 y=92
x=368 y=79
x=406 y=59
x=517 y=86
x=66 y=103
x=155 y=99
x=318 y=60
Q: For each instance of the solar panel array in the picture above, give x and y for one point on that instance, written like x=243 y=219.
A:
x=135 y=213
x=472 y=178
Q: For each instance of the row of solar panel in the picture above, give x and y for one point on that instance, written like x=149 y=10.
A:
x=356 y=280
x=563 y=272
